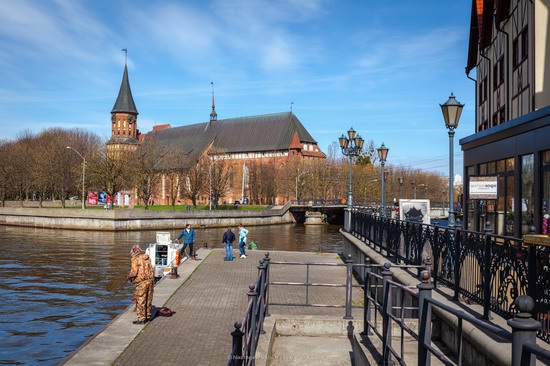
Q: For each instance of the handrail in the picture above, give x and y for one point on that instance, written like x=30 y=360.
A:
x=524 y=349
x=247 y=332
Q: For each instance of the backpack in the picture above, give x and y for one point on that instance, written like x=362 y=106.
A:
x=163 y=311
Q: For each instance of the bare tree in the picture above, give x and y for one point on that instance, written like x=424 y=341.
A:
x=148 y=162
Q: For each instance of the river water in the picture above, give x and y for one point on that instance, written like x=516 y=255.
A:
x=60 y=287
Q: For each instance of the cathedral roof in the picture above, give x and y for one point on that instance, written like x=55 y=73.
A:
x=124 y=102
x=268 y=132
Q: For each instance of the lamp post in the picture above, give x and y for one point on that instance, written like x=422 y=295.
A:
x=400 y=179
x=383 y=155
x=297 y=180
x=413 y=185
x=83 y=174
x=451 y=110
x=366 y=187
x=351 y=147
x=425 y=188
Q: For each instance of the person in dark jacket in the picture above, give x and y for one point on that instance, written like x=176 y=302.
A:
x=189 y=237
x=143 y=277
x=228 y=239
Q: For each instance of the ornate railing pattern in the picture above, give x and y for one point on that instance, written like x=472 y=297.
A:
x=480 y=267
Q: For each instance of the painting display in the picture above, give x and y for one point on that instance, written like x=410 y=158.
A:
x=415 y=211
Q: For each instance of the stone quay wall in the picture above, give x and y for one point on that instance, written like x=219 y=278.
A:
x=128 y=220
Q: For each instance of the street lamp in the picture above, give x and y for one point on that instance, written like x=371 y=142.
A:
x=451 y=110
x=425 y=187
x=351 y=146
x=366 y=187
x=83 y=174
x=383 y=155
x=297 y=179
x=400 y=179
x=413 y=186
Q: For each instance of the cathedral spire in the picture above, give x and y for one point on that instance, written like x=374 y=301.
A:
x=213 y=114
x=125 y=102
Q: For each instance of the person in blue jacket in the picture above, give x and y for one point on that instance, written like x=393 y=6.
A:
x=189 y=237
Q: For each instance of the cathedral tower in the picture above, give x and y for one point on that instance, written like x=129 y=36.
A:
x=124 y=131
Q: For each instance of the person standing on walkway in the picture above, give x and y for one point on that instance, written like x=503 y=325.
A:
x=189 y=237
x=242 y=240
x=227 y=240
x=142 y=275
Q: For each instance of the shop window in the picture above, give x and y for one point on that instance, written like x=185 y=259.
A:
x=545 y=172
x=527 y=193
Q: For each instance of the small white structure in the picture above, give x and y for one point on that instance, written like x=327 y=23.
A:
x=163 y=253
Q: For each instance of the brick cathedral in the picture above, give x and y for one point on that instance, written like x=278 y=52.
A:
x=269 y=140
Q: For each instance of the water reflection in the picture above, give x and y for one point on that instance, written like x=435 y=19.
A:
x=60 y=287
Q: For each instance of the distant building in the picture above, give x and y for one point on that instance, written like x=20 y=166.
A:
x=512 y=128
x=244 y=142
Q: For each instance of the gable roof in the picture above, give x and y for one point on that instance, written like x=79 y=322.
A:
x=268 y=132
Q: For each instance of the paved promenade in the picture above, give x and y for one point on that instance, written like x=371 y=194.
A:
x=208 y=301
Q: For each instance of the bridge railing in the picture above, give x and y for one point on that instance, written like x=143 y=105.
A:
x=483 y=268
x=247 y=332
x=316 y=202
x=398 y=304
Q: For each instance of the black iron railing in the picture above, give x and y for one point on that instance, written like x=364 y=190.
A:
x=388 y=302
x=481 y=267
x=247 y=332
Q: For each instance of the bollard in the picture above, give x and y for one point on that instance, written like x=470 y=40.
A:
x=386 y=309
x=427 y=266
x=174 y=272
x=237 y=348
x=524 y=330
x=424 y=318
x=349 y=277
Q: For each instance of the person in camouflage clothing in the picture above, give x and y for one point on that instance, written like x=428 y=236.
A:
x=143 y=277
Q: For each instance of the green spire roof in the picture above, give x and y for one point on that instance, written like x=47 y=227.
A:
x=125 y=103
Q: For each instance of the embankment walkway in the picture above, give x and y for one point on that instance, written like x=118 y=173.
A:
x=208 y=298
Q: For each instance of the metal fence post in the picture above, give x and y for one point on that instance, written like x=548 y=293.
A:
x=486 y=271
x=237 y=348
x=524 y=330
x=424 y=318
x=455 y=242
x=267 y=260
x=252 y=296
x=349 y=287
x=436 y=254
x=386 y=309
x=366 y=301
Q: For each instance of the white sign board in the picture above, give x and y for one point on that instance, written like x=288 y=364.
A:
x=483 y=188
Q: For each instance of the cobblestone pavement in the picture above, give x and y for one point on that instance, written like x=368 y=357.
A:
x=214 y=298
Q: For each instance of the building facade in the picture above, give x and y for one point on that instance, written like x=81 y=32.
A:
x=253 y=150
x=508 y=48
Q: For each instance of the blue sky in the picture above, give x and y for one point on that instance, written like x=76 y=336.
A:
x=382 y=67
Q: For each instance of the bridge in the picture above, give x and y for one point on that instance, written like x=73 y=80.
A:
x=316 y=211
